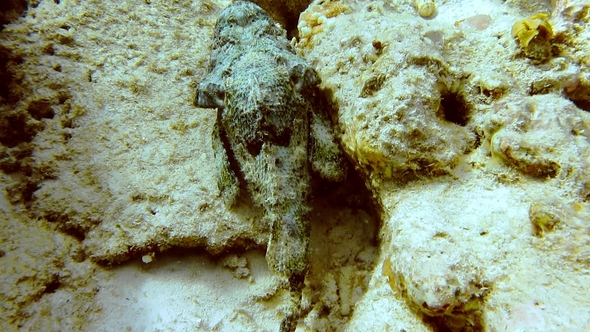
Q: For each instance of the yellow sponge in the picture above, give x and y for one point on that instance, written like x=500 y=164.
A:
x=534 y=35
x=535 y=26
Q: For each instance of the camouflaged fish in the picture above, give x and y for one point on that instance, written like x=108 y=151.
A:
x=270 y=134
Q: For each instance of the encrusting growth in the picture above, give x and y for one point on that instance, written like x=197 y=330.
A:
x=426 y=8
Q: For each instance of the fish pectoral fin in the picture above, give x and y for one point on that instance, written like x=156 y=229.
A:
x=227 y=180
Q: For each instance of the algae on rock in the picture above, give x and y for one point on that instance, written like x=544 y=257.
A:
x=459 y=139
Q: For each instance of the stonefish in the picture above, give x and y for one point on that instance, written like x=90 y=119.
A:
x=272 y=136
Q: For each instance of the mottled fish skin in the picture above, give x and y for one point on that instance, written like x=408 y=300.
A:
x=267 y=132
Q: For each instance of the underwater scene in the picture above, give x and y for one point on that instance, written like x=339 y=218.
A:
x=295 y=165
